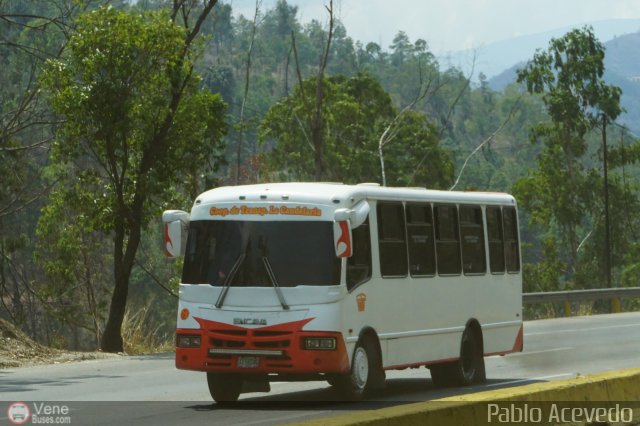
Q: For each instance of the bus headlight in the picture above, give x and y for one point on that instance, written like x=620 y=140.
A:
x=188 y=341
x=320 y=343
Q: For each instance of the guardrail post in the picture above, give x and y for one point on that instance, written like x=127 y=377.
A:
x=567 y=308
x=616 y=307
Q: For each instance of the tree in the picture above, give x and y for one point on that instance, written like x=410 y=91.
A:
x=312 y=114
x=32 y=32
x=245 y=95
x=135 y=119
x=402 y=49
x=356 y=112
x=560 y=193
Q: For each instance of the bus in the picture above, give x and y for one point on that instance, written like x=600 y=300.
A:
x=341 y=283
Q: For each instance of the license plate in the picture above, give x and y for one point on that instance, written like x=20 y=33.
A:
x=248 y=362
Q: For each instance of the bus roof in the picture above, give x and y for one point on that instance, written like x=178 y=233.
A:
x=343 y=195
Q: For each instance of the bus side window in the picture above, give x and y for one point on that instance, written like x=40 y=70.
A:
x=359 y=264
x=511 y=239
x=447 y=240
x=496 y=240
x=474 y=259
x=392 y=242
x=422 y=252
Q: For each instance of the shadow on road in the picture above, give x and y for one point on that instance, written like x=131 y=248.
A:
x=398 y=392
x=7 y=384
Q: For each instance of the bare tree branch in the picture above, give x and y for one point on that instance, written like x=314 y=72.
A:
x=246 y=91
x=155 y=279
x=317 y=123
x=6 y=210
x=298 y=72
x=443 y=125
x=487 y=140
x=392 y=129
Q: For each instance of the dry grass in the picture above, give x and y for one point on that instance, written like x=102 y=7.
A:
x=141 y=336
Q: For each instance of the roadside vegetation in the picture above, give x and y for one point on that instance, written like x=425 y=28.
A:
x=110 y=111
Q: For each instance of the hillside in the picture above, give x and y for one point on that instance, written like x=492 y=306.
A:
x=622 y=68
x=18 y=350
x=494 y=58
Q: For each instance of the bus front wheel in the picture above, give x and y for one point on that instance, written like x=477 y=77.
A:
x=364 y=366
x=223 y=387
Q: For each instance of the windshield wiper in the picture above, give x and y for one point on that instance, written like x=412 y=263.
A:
x=274 y=282
x=228 y=279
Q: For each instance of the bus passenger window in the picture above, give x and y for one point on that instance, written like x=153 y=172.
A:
x=422 y=254
x=496 y=240
x=447 y=240
x=359 y=264
x=391 y=240
x=472 y=237
x=511 y=239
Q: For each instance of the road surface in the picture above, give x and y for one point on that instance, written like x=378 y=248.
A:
x=148 y=390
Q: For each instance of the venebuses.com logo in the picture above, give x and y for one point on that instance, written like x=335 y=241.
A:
x=18 y=413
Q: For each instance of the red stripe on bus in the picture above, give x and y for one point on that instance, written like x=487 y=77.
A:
x=519 y=343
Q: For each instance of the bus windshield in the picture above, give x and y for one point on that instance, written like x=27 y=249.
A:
x=300 y=253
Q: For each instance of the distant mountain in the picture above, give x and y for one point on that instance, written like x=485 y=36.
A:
x=622 y=68
x=506 y=77
x=493 y=59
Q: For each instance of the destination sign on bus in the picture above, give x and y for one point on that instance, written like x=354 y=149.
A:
x=264 y=211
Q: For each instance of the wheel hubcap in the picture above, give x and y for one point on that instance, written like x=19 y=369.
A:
x=360 y=368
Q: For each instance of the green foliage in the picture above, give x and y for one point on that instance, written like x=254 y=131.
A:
x=114 y=88
x=139 y=132
x=31 y=32
x=569 y=75
x=75 y=258
x=563 y=193
x=545 y=274
x=356 y=112
x=134 y=122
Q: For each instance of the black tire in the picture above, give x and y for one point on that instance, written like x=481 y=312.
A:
x=333 y=381
x=441 y=375
x=224 y=387
x=468 y=369
x=366 y=372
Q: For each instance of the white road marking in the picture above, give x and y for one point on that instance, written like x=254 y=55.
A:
x=281 y=419
x=539 y=352
x=555 y=376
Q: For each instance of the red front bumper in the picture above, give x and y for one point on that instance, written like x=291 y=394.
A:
x=279 y=349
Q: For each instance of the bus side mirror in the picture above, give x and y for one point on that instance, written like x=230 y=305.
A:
x=176 y=229
x=342 y=242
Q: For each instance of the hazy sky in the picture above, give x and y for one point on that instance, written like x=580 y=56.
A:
x=449 y=25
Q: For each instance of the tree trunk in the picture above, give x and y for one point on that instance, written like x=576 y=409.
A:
x=317 y=138
x=122 y=264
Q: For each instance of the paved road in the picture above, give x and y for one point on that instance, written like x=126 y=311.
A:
x=554 y=349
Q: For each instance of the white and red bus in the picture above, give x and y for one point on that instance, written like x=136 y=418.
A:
x=317 y=281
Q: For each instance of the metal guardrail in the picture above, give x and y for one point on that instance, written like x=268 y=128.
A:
x=613 y=294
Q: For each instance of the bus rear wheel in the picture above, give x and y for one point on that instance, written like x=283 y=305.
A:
x=468 y=369
x=224 y=387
